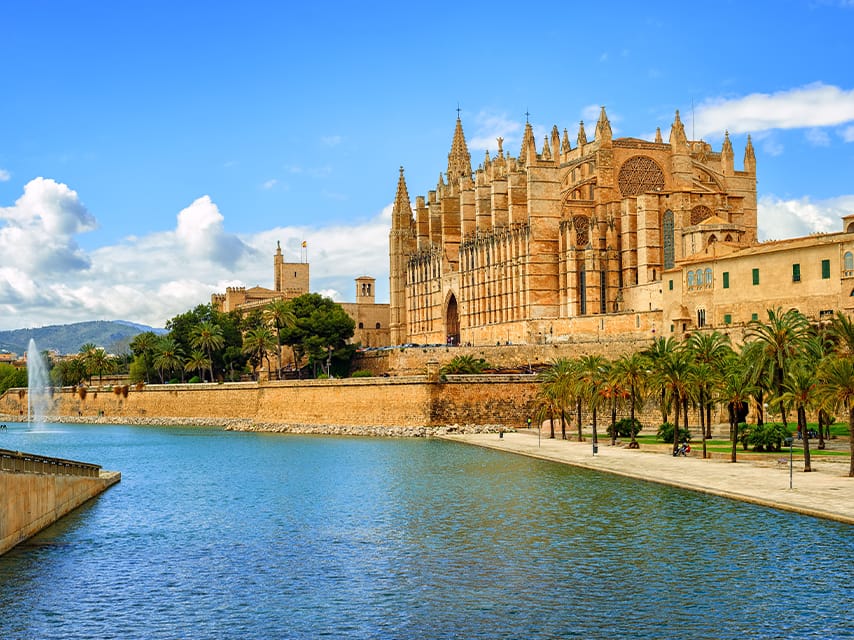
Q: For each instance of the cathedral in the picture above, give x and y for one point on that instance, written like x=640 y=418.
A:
x=565 y=240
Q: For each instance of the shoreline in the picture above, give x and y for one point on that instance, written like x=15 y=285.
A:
x=826 y=493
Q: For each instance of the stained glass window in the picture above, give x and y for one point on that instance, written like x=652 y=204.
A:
x=667 y=231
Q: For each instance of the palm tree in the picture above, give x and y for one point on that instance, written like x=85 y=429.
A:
x=674 y=375
x=197 y=361
x=798 y=389
x=87 y=354
x=143 y=346
x=841 y=334
x=633 y=370
x=208 y=337
x=168 y=357
x=782 y=338
x=704 y=379
x=708 y=349
x=592 y=375
x=660 y=350
x=836 y=387
x=279 y=313
x=466 y=364
x=558 y=381
x=258 y=342
x=736 y=388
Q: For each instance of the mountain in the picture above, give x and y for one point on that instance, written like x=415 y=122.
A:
x=113 y=335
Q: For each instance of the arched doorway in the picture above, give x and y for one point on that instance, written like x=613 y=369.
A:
x=452 y=321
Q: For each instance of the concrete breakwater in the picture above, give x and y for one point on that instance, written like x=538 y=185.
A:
x=31 y=500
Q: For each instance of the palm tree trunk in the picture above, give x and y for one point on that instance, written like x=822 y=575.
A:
x=614 y=421
x=821 y=421
x=562 y=424
x=733 y=430
x=595 y=435
x=676 y=406
x=633 y=444
x=578 y=420
x=802 y=425
x=551 y=425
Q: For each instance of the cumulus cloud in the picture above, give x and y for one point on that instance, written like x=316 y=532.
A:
x=269 y=184
x=813 y=105
x=153 y=277
x=5 y=176
x=848 y=134
x=779 y=219
x=488 y=126
x=39 y=229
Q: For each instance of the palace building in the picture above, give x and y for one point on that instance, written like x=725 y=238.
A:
x=291 y=280
x=565 y=240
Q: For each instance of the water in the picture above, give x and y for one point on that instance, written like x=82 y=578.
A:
x=38 y=386
x=215 y=534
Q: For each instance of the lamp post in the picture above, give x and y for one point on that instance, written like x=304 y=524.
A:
x=789 y=442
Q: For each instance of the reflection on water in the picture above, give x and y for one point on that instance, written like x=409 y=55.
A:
x=215 y=534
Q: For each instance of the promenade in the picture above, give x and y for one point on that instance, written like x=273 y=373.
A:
x=827 y=492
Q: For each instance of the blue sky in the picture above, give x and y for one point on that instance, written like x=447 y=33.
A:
x=152 y=153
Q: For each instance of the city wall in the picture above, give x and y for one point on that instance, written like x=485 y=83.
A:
x=404 y=401
x=29 y=502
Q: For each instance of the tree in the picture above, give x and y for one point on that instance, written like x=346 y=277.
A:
x=258 y=343
x=321 y=331
x=208 y=337
x=708 y=351
x=466 y=364
x=143 y=347
x=168 y=356
x=782 y=338
x=673 y=374
x=197 y=361
x=736 y=387
x=557 y=382
x=592 y=375
x=660 y=349
x=797 y=391
x=836 y=387
x=281 y=316
x=633 y=370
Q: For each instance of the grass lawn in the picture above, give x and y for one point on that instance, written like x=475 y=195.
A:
x=725 y=446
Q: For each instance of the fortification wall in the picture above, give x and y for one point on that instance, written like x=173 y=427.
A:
x=399 y=401
x=29 y=502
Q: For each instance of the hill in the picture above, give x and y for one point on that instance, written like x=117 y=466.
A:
x=113 y=336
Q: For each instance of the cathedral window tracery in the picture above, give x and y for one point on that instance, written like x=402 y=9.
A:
x=640 y=174
x=667 y=232
x=700 y=213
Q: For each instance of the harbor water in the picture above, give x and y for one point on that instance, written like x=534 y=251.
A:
x=215 y=534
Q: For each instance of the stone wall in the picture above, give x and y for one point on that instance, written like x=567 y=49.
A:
x=391 y=402
x=29 y=502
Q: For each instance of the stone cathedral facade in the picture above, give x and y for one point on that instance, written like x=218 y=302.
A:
x=562 y=241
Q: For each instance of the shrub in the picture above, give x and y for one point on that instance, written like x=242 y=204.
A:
x=362 y=373
x=665 y=433
x=322 y=376
x=625 y=428
x=465 y=364
x=194 y=380
x=767 y=437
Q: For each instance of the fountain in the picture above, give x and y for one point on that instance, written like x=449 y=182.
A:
x=38 y=386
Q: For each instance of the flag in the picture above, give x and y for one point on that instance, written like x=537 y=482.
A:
x=304 y=244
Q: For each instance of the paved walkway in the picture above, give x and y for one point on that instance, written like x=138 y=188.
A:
x=828 y=492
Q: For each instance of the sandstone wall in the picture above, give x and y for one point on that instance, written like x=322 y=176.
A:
x=29 y=502
x=392 y=402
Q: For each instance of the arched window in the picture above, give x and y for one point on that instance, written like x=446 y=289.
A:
x=699 y=277
x=848 y=261
x=690 y=279
x=708 y=275
x=361 y=325
x=667 y=232
x=378 y=325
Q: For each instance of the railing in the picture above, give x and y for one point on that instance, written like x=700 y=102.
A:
x=19 y=462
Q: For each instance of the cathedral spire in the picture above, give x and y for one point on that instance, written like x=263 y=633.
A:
x=564 y=143
x=582 y=137
x=677 y=135
x=528 y=152
x=547 y=150
x=727 y=156
x=603 y=128
x=555 y=143
x=749 y=156
x=459 y=160
x=401 y=213
x=658 y=139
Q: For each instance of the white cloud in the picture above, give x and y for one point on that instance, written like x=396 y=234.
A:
x=487 y=127
x=5 y=176
x=779 y=219
x=269 y=184
x=331 y=141
x=813 y=105
x=817 y=137
x=848 y=132
x=153 y=277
